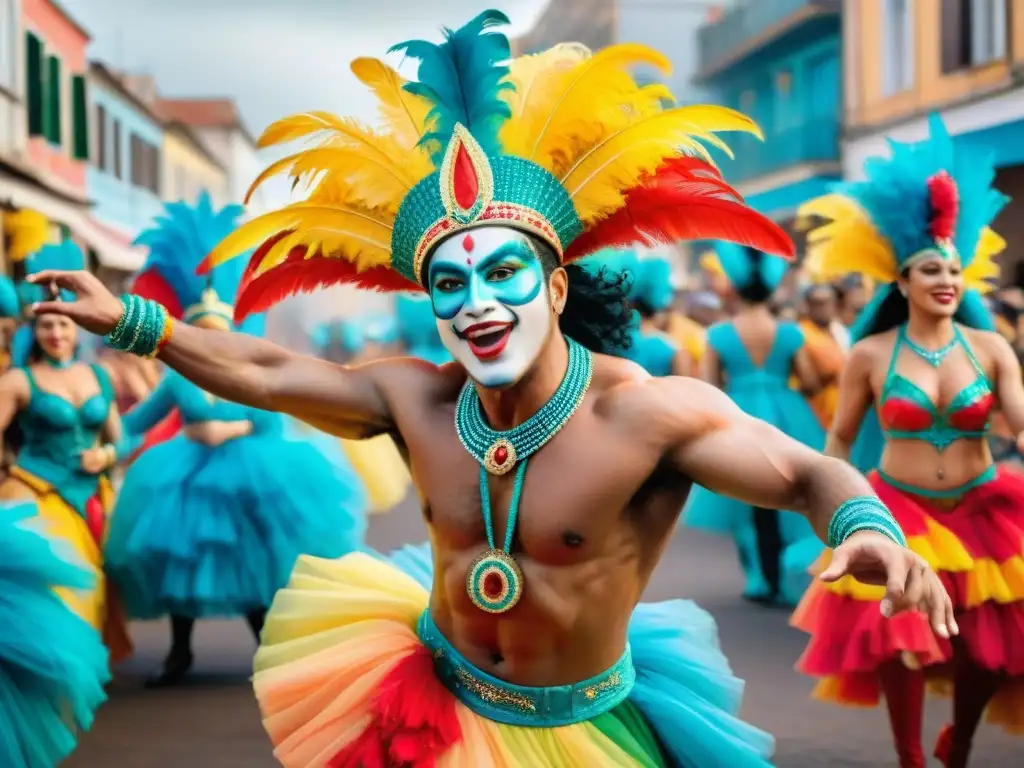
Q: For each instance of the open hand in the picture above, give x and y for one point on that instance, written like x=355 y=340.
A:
x=910 y=583
x=95 y=308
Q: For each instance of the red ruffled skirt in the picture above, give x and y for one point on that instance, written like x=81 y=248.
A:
x=977 y=547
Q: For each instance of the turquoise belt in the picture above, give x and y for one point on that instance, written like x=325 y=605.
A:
x=502 y=702
x=948 y=493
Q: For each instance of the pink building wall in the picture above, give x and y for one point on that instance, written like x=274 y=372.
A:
x=63 y=36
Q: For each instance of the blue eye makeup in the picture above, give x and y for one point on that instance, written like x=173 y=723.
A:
x=512 y=276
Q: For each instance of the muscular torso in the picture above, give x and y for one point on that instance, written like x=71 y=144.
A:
x=917 y=462
x=598 y=505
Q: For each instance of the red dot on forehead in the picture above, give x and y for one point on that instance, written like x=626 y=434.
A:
x=467 y=243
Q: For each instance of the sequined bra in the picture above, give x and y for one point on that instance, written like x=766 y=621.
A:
x=907 y=413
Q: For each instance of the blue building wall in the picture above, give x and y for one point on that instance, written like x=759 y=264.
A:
x=127 y=206
x=792 y=87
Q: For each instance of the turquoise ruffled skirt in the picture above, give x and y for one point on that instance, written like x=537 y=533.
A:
x=705 y=510
x=205 y=532
x=684 y=685
x=53 y=665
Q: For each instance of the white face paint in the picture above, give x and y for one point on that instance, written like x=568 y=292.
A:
x=491 y=302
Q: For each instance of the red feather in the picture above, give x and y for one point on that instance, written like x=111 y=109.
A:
x=945 y=204
x=686 y=199
x=151 y=285
x=297 y=274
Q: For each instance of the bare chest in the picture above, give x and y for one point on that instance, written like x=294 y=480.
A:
x=577 y=496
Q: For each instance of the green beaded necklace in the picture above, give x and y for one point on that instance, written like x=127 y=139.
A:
x=494 y=580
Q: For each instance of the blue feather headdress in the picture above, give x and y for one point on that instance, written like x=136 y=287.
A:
x=927 y=198
x=178 y=243
x=743 y=265
x=64 y=256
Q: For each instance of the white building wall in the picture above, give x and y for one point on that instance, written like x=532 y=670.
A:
x=13 y=128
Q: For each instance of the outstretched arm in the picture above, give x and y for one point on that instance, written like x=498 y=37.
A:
x=718 y=446
x=349 y=402
x=714 y=438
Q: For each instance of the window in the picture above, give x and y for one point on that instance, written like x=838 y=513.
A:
x=154 y=165
x=53 y=104
x=8 y=25
x=101 y=156
x=116 y=149
x=973 y=33
x=135 y=160
x=898 y=46
x=35 y=86
x=80 y=109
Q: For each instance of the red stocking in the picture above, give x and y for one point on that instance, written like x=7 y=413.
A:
x=904 y=697
x=973 y=689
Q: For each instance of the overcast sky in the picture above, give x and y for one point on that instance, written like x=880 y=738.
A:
x=276 y=57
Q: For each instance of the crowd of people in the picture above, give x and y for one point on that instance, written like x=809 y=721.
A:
x=557 y=407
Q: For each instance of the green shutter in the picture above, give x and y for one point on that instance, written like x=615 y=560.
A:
x=81 y=110
x=53 y=101
x=34 y=84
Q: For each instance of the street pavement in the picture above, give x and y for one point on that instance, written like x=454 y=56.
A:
x=213 y=722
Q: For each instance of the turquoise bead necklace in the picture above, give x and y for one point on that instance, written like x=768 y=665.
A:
x=494 y=580
x=933 y=356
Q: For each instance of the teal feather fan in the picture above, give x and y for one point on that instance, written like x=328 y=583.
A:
x=180 y=240
x=463 y=78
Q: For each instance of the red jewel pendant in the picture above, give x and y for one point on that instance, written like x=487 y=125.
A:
x=500 y=457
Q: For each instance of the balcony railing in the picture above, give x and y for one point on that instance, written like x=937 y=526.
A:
x=816 y=141
x=739 y=27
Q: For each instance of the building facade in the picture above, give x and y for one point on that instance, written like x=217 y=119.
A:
x=188 y=167
x=125 y=161
x=778 y=61
x=963 y=59
x=218 y=124
x=44 y=136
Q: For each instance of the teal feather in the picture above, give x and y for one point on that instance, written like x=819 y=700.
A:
x=463 y=78
x=65 y=256
x=180 y=240
x=895 y=192
x=742 y=264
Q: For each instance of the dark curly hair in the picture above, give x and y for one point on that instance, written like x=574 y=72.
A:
x=597 y=313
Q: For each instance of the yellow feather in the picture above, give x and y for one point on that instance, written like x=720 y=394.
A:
x=847 y=243
x=530 y=74
x=338 y=231
x=591 y=87
x=983 y=271
x=28 y=231
x=403 y=114
x=597 y=181
x=360 y=167
x=299 y=126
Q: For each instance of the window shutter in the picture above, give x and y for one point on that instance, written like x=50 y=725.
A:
x=81 y=110
x=954 y=37
x=156 y=170
x=34 y=91
x=102 y=156
x=53 y=101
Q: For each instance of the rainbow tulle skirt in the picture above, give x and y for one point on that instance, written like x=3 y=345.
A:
x=53 y=664
x=977 y=547
x=345 y=679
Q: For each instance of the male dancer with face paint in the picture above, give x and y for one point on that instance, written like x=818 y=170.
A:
x=521 y=643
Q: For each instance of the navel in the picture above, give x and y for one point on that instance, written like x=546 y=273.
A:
x=572 y=539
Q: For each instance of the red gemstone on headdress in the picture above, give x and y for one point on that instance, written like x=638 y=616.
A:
x=465 y=184
x=467 y=243
x=500 y=455
x=493 y=585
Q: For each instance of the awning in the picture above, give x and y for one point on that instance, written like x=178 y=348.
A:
x=113 y=249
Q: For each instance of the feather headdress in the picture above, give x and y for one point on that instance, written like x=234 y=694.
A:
x=28 y=232
x=178 y=242
x=64 y=256
x=926 y=198
x=563 y=145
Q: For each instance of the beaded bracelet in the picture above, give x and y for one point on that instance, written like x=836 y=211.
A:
x=144 y=329
x=863 y=513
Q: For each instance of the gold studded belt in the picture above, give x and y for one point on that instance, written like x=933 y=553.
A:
x=547 y=707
